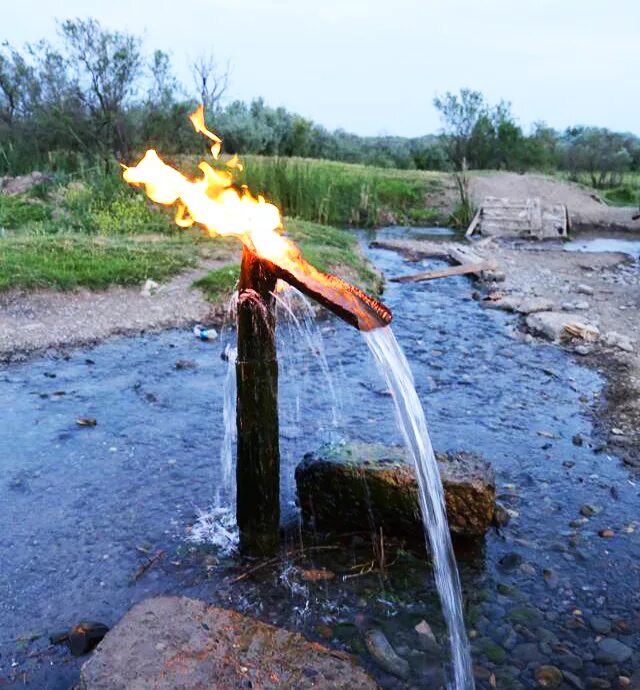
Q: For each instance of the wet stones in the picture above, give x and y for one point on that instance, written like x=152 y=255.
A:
x=560 y=325
x=367 y=487
x=175 y=642
x=85 y=636
x=612 y=651
x=384 y=654
x=548 y=676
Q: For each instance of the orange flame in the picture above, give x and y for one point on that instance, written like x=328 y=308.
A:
x=197 y=120
x=212 y=201
x=221 y=209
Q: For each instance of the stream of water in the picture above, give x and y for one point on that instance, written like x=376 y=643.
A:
x=82 y=507
x=393 y=366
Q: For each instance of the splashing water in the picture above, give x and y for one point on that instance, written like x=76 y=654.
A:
x=393 y=366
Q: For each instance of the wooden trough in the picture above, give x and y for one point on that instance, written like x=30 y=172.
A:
x=520 y=218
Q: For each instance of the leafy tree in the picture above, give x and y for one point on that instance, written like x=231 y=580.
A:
x=109 y=66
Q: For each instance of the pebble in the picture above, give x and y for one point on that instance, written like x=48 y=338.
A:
x=527 y=652
x=612 y=651
x=573 y=680
x=600 y=624
x=384 y=655
x=548 y=676
x=584 y=289
x=606 y=533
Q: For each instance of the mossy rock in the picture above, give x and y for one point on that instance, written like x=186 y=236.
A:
x=362 y=487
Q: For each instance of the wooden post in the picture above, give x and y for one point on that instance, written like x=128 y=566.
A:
x=258 y=462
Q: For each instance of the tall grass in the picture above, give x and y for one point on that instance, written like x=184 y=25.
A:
x=333 y=193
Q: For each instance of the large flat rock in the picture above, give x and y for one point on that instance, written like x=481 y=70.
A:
x=366 y=486
x=176 y=643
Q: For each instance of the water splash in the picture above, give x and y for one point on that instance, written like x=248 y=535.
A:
x=394 y=368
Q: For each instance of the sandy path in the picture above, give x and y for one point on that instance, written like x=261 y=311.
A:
x=45 y=318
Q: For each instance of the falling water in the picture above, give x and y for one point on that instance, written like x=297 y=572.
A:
x=300 y=313
x=227 y=485
x=394 y=367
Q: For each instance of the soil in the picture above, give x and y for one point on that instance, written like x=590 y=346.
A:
x=37 y=320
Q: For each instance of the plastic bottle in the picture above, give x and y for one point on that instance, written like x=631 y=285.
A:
x=204 y=333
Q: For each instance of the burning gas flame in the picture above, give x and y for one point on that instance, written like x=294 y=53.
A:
x=214 y=203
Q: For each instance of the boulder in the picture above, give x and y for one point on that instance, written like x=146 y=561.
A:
x=361 y=486
x=562 y=325
x=175 y=642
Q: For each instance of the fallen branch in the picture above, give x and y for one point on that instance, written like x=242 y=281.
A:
x=462 y=269
x=145 y=566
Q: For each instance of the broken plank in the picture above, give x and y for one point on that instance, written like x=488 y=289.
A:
x=461 y=269
x=474 y=223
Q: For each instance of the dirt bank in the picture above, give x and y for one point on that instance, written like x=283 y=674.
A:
x=31 y=321
x=585 y=209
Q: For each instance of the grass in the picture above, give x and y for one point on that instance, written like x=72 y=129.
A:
x=626 y=193
x=342 y=194
x=328 y=249
x=91 y=230
x=69 y=261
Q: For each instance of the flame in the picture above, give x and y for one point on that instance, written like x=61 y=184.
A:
x=197 y=120
x=212 y=201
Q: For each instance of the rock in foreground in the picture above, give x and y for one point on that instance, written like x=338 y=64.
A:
x=364 y=487
x=174 y=642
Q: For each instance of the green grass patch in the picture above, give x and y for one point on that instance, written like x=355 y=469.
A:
x=18 y=211
x=327 y=248
x=624 y=195
x=68 y=261
x=334 y=193
x=218 y=284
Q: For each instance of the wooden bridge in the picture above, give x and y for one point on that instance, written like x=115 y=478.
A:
x=520 y=218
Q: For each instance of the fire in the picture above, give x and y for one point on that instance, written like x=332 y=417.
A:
x=212 y=201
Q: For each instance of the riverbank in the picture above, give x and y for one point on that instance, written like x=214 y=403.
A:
x=556 y=291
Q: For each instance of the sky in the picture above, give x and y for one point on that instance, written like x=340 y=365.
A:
x=374 y=67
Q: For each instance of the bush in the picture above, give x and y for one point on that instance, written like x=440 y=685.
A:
x=18 y=211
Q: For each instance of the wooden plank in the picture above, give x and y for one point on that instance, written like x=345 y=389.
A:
x=474 y=222
x=461 y=269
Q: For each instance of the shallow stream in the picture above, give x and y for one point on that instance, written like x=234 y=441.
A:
x=80 y=506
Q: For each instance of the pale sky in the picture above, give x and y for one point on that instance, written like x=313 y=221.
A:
x=374 y=67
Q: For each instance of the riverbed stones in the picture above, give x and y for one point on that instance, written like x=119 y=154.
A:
x=548 y=676
x=175 y=642
x=366 y=487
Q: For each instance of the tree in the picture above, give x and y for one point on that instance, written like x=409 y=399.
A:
x=460 y=116
x=600 y=153
x=211 y=83
x=109 y=66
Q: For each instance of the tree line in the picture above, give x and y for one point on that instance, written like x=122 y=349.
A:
x=99 y=93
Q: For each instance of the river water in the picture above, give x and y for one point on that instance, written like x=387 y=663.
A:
x=78 y=505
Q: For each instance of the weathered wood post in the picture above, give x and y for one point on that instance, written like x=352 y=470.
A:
x=258 y=462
